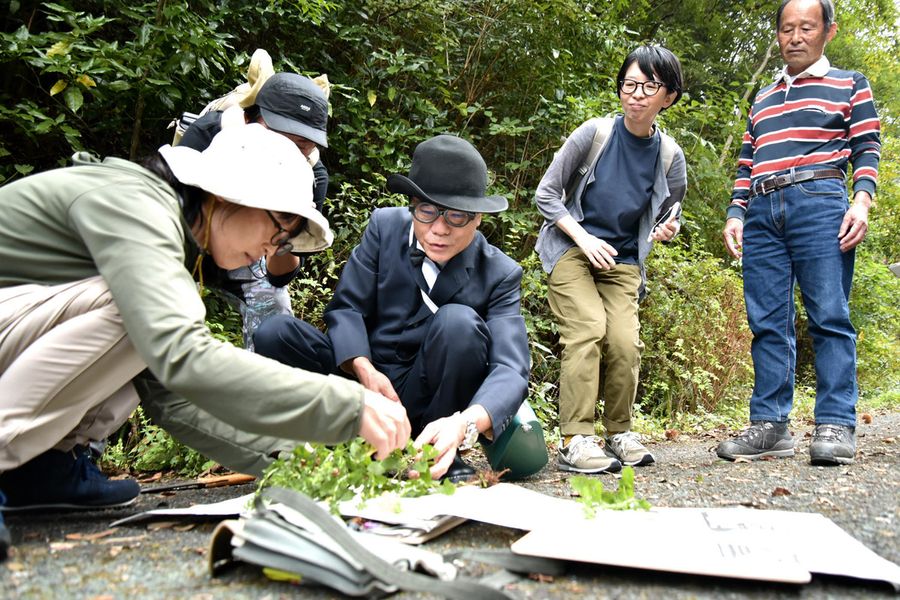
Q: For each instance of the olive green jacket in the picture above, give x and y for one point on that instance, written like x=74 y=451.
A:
x=117 y=219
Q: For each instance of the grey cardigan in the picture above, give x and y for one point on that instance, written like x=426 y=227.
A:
x=552 y=242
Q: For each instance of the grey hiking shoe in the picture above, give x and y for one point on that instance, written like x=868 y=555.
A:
x=627 y=447
x=762 y=438
x=832 y=445
x=584 y=454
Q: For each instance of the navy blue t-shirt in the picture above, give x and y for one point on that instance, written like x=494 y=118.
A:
x=620 y=193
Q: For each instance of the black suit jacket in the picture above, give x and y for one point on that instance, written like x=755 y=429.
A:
x=378 y=312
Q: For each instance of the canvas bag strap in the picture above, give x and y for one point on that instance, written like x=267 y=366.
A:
x=376 y=566
x=601 y=135
x=506 y=559
x=667 y=146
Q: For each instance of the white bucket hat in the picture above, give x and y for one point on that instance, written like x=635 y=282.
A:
x=253 y=166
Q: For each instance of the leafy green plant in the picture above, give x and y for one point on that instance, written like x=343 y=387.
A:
x=142 y=446
x=593 y=496
x=346 y=471
x=694 y=327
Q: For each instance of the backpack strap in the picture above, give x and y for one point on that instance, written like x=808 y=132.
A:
x=601 y=135
x=667 y=147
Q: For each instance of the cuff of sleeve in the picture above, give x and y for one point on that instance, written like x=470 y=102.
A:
x=283 y=279
x=552 y=218
x=864 y=185
x=735 y=212
x=360 y=409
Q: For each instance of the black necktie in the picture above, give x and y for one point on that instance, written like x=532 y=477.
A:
x=416 y=256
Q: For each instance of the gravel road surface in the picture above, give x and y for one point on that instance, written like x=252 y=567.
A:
x=67 y=555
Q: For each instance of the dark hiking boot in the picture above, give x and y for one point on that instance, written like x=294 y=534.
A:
x=459 y=471
x=832 y=445
x=58 y=479
x=5 y=540
x=762 y=438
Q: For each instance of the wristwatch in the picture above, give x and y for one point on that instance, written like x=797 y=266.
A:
x=471 y=435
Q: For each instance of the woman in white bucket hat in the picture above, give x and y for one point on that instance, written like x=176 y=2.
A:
x=99 y=306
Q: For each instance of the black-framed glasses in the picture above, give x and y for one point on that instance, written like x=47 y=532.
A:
x=282 y=237
x=648 y=88
x=425 y=212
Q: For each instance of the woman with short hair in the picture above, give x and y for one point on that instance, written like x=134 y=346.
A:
x=630 y=178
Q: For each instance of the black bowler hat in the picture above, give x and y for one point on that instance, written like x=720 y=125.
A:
x=292 y=103
x=449 y=171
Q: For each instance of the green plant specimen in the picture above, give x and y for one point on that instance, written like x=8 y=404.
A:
x=592 y=495
x=346 y=471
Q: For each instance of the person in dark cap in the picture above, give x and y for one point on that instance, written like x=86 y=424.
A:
x=297 y=108
x=426 y=311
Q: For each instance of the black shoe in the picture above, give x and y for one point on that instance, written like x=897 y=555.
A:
x=762 y=438
x=5 y=541
x=459 y=471
x=58 y=479
x=832 y=445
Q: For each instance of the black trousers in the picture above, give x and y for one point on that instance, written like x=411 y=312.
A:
x=441 y=378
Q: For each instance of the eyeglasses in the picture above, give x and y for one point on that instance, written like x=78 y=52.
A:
x=424 y=212
x=281 y=239
x=648 y=88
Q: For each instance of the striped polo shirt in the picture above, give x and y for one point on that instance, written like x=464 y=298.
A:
x=825 y=117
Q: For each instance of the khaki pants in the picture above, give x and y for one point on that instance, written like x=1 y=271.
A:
x=66 y=366
x=597 y=313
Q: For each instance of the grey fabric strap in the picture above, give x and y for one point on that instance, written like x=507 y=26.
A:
x=517 y=563
x=374 y=565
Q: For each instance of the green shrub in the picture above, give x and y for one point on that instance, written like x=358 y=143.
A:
x=142 y=446
x=875 y=312
x=697 y=343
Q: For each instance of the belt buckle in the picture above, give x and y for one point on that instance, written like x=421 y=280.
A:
x=762 y=187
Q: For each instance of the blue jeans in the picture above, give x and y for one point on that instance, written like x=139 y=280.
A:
x=790 y=235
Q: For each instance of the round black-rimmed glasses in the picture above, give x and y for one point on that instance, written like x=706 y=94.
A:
x=425 y=212
x=648 y=88
x=281 y=239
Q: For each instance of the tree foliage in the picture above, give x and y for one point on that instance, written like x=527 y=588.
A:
x=514 y=77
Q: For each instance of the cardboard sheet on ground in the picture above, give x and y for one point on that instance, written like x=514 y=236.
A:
x=742 y=543
x=218 y=511
x=388 y=516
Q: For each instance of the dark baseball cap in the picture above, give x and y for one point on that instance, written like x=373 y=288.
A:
x=292 y=103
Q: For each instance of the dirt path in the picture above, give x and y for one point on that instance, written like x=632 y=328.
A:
x=864 y=499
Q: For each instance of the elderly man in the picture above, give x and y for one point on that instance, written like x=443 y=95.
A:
x=426 y=311
x=790 y=221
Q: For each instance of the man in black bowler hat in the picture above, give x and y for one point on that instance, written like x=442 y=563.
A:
x=426 y=311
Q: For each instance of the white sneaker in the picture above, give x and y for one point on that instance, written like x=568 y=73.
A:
x=627 y=447
x=586 y=455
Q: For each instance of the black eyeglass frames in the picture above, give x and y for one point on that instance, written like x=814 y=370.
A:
x=648 y=88
x=425 y=212
x=281 y=239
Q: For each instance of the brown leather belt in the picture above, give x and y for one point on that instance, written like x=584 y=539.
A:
x=776 y=182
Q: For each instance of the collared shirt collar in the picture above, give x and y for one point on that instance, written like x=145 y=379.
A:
x=817 y=69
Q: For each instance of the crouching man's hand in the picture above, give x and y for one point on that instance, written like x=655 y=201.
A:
x=384 y=424
x=447 y=433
